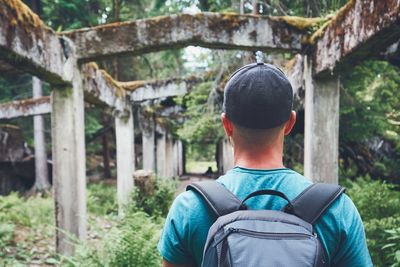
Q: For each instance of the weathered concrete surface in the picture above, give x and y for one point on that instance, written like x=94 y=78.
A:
x=362 y=28
x=41 y=170
x=161 y=152
x=27 y=45
x=69 y=182
x=147 y=90
x=294 y=70
x=25 y=108
x=125 y=139
x=212 y=30
x=321 y=127
x=225 y=156
x=69 y=170
x=149 y=144
x=102 y=90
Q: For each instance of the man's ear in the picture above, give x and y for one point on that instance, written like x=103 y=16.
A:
x=228 y=126
x=290 y=123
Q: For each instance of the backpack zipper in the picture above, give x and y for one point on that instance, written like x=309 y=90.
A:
x=266 y=235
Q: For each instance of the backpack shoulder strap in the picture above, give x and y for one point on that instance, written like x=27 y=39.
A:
x=218 y=198
x=314 y=200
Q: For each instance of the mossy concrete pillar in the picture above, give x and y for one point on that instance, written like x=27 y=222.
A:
x=321 y=132
x=69 y=179
x=41 y=170
x=149 y=145
x=125 y=140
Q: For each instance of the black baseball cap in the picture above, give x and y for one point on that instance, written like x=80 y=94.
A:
x=258 y=96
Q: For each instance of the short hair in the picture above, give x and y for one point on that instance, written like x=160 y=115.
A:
x=257 y=137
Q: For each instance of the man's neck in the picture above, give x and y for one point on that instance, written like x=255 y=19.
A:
x=267 y=158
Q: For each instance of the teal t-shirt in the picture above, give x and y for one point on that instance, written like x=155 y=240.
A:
x=340 y=229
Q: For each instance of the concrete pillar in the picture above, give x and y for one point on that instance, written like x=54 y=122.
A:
x=225 y=156
x=125 y=147
x=149 y=148
x=181 y=163
x=169 y=157
x=321 y=129
x=69 y=177
x=41 y=170
x=161 y=152
x=177 y=158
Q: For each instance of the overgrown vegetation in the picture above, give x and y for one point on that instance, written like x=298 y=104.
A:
x=27 y=229
x=378 y=203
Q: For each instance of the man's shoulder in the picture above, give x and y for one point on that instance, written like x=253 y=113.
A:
x=190 y=204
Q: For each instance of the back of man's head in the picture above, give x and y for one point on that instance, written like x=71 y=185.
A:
x=258 y=100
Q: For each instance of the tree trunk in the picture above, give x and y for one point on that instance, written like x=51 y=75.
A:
x=116 y=8
x=313 y=8
x=204 y=6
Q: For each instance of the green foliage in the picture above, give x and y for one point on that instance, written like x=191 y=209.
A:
x=6 y=237
x=101 y=199
x=25 y=212
x=203 y=125
x=133 y=240
x=134 y=243
x=370 y=102
x=374 y=199
x=196 y=152
x=72 y=14
x=158 y=202
x=378 y=204
x=17 y=215
x=394 y=246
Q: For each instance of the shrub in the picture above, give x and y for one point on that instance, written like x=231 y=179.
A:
x=374 y=199
x=394 y=246
x=101 y=199
x=25 y=212
x=378 y=203
x=134 y=242
x=156 y=203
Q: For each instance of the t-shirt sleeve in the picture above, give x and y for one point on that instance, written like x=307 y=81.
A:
x=352 y=250
x=173 y=242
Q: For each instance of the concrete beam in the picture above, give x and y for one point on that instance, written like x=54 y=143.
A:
x=212 y=30
x=102 y=90
x=361 y=29
x=321 y=127
x=27 y=45
x=25 y=108
x=147 y=90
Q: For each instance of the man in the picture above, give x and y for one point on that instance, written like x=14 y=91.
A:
x=257 y=114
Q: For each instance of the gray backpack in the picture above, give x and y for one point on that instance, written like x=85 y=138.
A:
x=256 y=238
